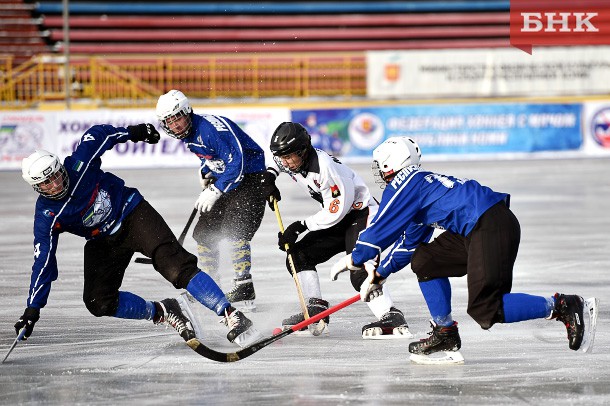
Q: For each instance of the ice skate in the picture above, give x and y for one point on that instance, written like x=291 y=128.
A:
x=442 y=347
x=242 y=294
x=241 y=330
x=591 y=309
x=391 y=325
x=170 y=313
x=570 y=309
x=315 y=306
x=186 y=302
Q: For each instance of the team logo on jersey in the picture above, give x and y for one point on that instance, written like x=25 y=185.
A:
x=48 y=213
x=334 y=190
x=99 y=210
x=215 y=165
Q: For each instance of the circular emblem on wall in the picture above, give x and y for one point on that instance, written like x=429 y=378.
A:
x=600 y=127
x=365 y=131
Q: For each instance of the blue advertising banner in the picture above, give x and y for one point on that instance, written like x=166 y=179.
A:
x=447 y=129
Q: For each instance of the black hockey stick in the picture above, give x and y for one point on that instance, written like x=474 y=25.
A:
x=214 y=355
x=19 y=338
x=181 y=238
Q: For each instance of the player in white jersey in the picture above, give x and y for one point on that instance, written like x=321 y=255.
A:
x=346 y=207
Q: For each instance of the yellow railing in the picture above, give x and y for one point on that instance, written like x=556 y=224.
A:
x=137 y=81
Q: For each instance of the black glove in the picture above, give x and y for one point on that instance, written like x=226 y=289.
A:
x=270 y=190
x=144 y=132
x=29 y=318
x=290 y=235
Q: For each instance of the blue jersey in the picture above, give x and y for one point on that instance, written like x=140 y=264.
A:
x=414 y=204
x=225 y=150
x=95 y=205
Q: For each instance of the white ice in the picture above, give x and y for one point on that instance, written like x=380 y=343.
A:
x=75 y=358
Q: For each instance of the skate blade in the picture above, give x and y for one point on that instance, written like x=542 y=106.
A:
x=591 y=307
x=185 y=300
x=246 y=306
x=438 y=358
x=318 y=329
x=376 y=333
x=308 y=333
x=248 y=337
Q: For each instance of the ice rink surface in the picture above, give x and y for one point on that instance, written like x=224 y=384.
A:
x=74 y=358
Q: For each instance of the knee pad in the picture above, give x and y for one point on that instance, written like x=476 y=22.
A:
x=102 y=306
x=175 y=264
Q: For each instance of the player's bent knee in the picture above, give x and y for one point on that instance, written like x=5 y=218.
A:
x=488 y=319
x=299 y=259
x=100 y=307
x=422 y=265
x=175 y=264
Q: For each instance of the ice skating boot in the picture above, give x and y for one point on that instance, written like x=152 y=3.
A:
x=442 y=347
x=391 y=325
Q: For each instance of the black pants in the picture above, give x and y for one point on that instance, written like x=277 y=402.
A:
x=107 y=258
x=236 y=215
x=487 y=255
x=317 y=247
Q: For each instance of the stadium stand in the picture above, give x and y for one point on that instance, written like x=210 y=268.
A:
x=20 y=36
x=217 y=27
x=126 y=53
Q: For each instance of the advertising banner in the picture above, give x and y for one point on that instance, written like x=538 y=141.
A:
x=557 y=71
x=596 y=128
x=447 y=129
x=59 y=132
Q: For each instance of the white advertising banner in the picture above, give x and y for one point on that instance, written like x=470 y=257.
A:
x=596 y=128
x=59 y=131
x=502 y=72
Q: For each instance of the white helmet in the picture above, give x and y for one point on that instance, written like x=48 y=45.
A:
x=45 y=173
x=392 y=155
x=172 y=106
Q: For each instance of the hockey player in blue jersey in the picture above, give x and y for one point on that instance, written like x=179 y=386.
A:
x=79 y=198
x=235 y=187
x=480 y=240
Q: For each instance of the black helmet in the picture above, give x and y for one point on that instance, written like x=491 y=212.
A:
x=289 y=137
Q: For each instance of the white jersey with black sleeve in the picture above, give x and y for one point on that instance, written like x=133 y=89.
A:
x=335 y=186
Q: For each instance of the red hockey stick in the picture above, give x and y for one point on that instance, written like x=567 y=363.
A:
x=214 y=355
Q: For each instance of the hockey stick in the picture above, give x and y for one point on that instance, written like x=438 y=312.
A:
x=316 y=331
x=181 y=238
x=19 y=338
x=214 y=355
